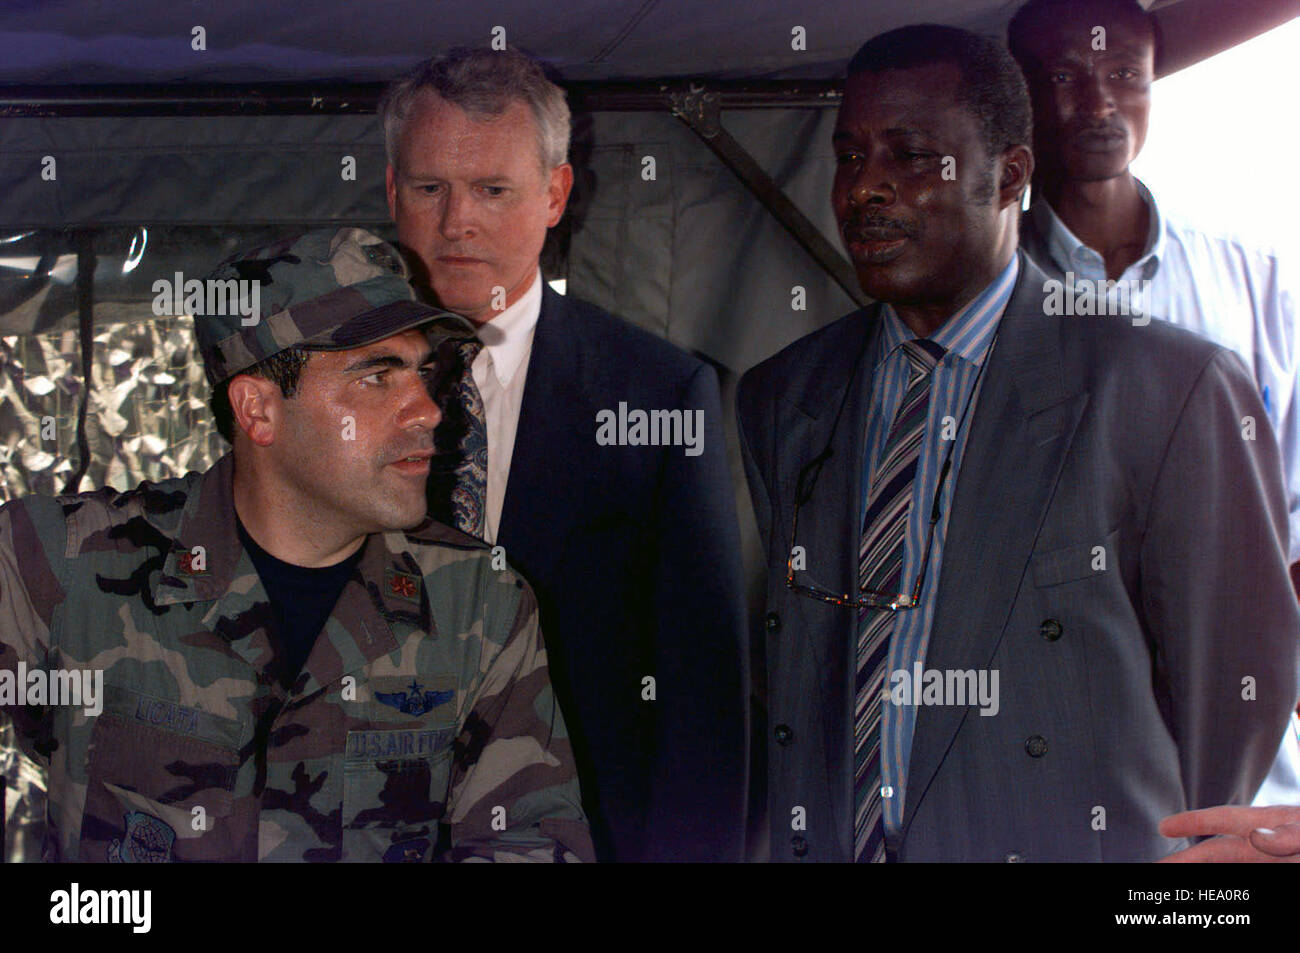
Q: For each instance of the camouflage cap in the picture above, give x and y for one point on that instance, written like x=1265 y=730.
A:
x=329 y=289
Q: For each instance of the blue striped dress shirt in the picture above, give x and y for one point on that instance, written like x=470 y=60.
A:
x=966 y=338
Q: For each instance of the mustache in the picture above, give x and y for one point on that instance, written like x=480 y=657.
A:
x=876 y=228
x=1098 y=129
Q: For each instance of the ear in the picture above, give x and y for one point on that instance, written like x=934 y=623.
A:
x=558 y=190
x=257 y=406
x=1015 y=169
x=390 y=186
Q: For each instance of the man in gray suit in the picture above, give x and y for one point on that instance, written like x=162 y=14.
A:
x=1012 y=613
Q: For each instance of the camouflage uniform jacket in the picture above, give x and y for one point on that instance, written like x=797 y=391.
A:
x=424 y=702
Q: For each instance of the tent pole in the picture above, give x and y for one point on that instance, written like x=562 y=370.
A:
x=700 y=109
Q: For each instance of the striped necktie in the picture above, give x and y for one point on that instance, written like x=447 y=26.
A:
x=458 y=472
x=880 y=569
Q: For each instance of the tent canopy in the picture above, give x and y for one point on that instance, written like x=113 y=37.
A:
x=98 y=42
x=89 y=41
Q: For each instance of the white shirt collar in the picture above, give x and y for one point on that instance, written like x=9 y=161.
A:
x=508 y=337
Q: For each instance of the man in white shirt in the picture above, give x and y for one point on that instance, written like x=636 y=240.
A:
x=630 y=541
x=499 y=373
x=1090 y=66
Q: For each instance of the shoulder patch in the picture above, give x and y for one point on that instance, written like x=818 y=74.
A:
x=146 y=840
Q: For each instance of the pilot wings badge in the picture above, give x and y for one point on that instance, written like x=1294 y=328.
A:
x=415 y=700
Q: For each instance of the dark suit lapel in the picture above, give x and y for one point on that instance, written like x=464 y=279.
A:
x=828 y=531
x=828 y=523
x=1020 y=433
x=539 y=480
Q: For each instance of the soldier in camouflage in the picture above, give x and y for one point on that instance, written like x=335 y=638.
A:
x=418 y=724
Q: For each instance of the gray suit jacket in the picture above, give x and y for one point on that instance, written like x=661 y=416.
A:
x=1160 y=683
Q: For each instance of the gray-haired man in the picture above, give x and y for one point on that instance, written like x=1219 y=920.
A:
x=632 y=545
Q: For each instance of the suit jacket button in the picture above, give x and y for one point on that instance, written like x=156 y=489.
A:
x=1036 y=745
x=783 y=735
x=1050 y=630
x=798 y=845
x=1015 y=857
x=772 y=622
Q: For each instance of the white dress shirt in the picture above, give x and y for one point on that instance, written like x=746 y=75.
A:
x=500 y=370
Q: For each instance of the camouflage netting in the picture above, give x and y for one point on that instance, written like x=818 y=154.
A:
x=147 y=420
x=148 y=417
x=24 y=800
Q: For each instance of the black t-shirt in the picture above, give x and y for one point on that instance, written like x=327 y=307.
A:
x=301 y=600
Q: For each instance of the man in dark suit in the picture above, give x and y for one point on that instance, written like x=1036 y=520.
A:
x=592 y=452
x=1012 y=615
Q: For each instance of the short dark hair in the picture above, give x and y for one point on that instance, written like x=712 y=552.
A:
x=283 y=368
x=992 y=86
x=1034 y=13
